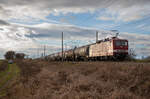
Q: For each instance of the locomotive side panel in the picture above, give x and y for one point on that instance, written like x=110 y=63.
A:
x=101 y=49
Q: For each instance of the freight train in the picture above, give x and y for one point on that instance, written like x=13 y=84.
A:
x=108 y=49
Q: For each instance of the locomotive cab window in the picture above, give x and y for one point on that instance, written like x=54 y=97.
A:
x=121 y=43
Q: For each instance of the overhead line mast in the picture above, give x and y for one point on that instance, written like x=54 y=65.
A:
x=62 y=47
x=44 y=50
x=96 y=36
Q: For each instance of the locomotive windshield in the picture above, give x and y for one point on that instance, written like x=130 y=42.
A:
x=121 y=43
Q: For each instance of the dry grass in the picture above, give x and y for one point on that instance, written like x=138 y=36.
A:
x=84 y=80
x=3 y=65
x=7 y=77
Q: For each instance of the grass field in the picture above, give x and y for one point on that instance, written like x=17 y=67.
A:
x=7 y=76
x=82 y=80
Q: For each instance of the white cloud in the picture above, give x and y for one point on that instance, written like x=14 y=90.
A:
x=105 y=18
x=125 y=14
x=27 y=38
x=144 y=27
x=22 y=37
x=134 y=13
x=125 y=10
x=13 y=38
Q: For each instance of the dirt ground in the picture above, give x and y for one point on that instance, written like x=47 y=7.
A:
x=81 y=80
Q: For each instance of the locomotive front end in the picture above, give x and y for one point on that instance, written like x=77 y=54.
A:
x=120 y=47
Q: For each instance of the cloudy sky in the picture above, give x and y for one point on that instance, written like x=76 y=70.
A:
x=28 y=25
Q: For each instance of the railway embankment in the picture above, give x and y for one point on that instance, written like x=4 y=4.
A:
x=8 y=74
x=82 y=80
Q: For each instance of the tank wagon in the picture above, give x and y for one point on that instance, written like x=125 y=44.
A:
x=110 y=48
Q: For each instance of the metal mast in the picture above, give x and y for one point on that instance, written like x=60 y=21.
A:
x=96 y=36
x=62 y=47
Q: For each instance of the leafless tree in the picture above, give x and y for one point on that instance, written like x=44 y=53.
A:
x=9 y=55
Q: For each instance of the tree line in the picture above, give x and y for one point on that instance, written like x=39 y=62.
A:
x=10 y=55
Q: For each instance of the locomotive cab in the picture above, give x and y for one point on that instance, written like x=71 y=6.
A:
x=121 y=44
x=120 y=47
